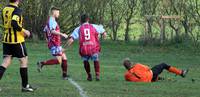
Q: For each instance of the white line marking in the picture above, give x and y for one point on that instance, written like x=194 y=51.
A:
x=80 y=89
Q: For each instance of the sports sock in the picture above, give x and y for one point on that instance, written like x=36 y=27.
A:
x=2 y=70
x=87 y=67
x=97 y=68
x=50 y=62
x=64 y=67
x=175 y=70
x=24 y=76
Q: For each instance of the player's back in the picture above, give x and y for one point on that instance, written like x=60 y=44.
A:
x=7 y=16
x=139 y=73
x=9 y=13
x=88 y=40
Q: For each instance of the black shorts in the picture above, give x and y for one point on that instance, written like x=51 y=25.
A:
x=15 y=50
x=157 y=70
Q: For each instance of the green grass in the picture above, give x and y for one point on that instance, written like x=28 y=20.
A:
x=112 y=83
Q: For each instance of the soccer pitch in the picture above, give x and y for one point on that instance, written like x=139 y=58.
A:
x=112 y=82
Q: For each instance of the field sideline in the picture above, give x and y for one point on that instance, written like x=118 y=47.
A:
x=112 y=83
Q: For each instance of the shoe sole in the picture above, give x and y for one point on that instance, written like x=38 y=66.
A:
x=28 y=90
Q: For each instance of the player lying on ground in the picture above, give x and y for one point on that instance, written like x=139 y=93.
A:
x=88 y=35
x=53 y=36
x=14 y=42
x=140 y=73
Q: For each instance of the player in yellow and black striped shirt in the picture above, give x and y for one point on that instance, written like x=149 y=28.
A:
x=12 y=21
x=13 y=42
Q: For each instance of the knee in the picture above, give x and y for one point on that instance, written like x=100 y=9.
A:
x=6 y=62
x=60 y=61
x=163 y=64
x=24 y=62
x=166 y=66
x=64 y=57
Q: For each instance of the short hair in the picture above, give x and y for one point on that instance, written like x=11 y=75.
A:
x=84 y=18
x=12 y=1
x=127 y=61
x=54 y=8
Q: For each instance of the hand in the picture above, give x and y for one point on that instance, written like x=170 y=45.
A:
x=70 y=41
x=27 y=33
x=104 y=35
x=65 y=35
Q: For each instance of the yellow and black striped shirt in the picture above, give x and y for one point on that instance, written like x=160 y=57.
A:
x=12 y=22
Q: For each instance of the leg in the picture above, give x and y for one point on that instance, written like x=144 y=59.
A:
x=7 y=57
x=24 y=71
x=177 y=71
x=64 y=66
x=97 y=70
x=21 y=53
x=54 y=61
x=57 y=53
x=157 y=70
x=95 y=58
x=24 y=75
x=87 y=67
x=6 y=62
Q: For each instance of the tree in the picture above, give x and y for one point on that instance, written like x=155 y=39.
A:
x=130 y=11
x=149 y=8
x=116 y=10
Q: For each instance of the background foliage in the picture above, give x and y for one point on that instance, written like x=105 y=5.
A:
x=123 y=19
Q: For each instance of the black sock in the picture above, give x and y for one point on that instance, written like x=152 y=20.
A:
x=2 y=70
x=24 y=76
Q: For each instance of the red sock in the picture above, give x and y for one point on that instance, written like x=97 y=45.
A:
x=50 y=62
x=87 y=67
x=64 y=67
x=97 y=68
x=175 y=70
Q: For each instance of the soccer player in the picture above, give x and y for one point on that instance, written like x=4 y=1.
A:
x=88 y=35
x=141 y=73
x=53 y=36
x=14 y=42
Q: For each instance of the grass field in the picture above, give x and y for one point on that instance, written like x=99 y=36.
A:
x=112 y=83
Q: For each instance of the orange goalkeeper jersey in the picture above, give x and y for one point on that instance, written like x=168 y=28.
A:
x=139 y=73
